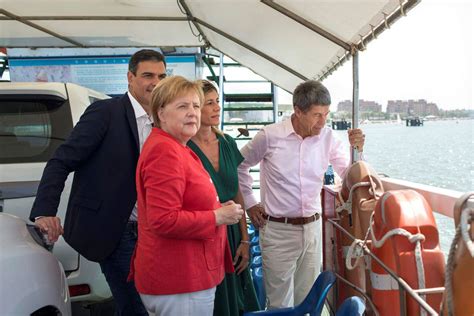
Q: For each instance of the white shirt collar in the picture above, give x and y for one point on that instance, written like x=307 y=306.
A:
x=288 y=127
x=137 y=108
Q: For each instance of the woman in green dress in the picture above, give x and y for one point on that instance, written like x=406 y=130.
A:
x=220 y=156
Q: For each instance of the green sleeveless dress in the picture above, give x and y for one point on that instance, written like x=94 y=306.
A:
x=236 y=294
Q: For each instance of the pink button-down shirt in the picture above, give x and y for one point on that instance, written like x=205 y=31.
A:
x=291 y=169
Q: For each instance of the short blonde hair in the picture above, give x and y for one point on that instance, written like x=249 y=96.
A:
x=168 y=89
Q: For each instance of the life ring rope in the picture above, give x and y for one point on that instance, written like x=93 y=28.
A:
x=467 y=216
x=373 y=183
x=356 y=251
x=462 y=231
x=412 y=238
x=347 y=205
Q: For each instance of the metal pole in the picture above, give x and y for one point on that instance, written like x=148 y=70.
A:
x=360 y=291
x=251 y=48
x=324 y=33
x=190 y=17
x=401 y=282
x=355 y=98
x=275 y=102
x=403 y=301
x=40 y=28
x=221 y=88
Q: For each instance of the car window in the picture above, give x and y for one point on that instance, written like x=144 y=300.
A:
x=32 y=127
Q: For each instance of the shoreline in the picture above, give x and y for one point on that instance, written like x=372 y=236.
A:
x=367 y=122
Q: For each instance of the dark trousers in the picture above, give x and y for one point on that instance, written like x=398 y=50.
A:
x=116 y=268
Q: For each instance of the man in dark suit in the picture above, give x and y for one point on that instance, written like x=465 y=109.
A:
x=102 y=151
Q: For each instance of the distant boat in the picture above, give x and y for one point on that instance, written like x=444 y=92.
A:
x=341 y=125
x=430 y=118
x=399 y=120
x=414 y=121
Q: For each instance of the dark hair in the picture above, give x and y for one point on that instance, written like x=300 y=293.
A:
x=144 y=55
x=310 y=93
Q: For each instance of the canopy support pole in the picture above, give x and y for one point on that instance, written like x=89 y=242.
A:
x=250 y=48
x=327 y=35
x=355 y=98
x=40 y=28
x=184 y=6
x=275 y=102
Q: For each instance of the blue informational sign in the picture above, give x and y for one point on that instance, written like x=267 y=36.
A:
x=104 y=74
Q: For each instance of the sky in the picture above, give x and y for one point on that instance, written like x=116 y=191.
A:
x=424 y=55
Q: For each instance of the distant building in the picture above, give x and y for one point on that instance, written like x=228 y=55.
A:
x=364 y=106
x=398 y=106
x=344 y=106
x=412 y=107
x=432 y=109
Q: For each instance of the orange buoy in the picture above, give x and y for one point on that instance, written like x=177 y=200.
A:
x=360 y=190
x=405 y=238
x=459 y=285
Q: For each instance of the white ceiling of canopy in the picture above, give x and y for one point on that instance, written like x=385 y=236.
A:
x=252 y=32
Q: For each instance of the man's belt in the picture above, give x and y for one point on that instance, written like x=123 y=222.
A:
x=294 y=220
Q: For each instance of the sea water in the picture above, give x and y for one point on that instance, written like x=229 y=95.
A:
x=439 y=153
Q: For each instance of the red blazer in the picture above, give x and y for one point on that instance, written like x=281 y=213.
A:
x=179 y=247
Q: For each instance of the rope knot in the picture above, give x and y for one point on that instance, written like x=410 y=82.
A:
x=416 y=237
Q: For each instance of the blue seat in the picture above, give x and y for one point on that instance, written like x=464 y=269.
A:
x=352 y=306
x=251 y=231
x=312 y=304
x=256 y=262
x=254 y=241
x=257 y=276
x=255 y=251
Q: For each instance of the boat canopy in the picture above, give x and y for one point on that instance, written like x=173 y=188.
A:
x=284 y=41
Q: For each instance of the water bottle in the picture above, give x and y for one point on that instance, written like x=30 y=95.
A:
x=329 y=175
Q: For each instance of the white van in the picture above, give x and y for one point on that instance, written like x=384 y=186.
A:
x=35 y=118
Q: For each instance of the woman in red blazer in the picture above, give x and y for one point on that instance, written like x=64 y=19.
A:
x=182 y=250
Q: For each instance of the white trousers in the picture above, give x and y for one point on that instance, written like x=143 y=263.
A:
x=185 y=304
x=291 y=261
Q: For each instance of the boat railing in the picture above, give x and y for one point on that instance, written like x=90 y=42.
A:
x=403 y=286
x=441 y=201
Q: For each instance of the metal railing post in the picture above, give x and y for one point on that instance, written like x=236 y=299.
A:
x=355 y=98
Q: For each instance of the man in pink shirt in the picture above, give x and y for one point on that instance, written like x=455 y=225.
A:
x=293 y=156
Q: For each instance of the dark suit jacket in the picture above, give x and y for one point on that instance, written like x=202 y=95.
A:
x=102 y=151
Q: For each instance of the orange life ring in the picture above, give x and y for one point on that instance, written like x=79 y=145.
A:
x=360 y=190
x=459 y=286
x=405 y=238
